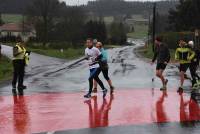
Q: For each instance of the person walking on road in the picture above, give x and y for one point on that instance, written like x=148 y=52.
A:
x=162 y=55
x=194 y=63
x=103 y=62
x=20 y=60
x=93 y=55
x=184 y=55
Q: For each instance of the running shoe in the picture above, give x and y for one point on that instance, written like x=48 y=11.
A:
x=21 y=92
x=87 y=95
x=104 y=93
x=180 y=90
x=14 y=92
x=22 y=87
x=163 y=88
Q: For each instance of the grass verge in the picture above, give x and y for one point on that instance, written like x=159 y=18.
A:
x=70 y=53
x=5 y=69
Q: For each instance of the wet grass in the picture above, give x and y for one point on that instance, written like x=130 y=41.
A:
x=5 y=69
x=70 y=53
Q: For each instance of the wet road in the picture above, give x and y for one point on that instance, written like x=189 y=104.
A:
x=54 y=103
x=126 y=70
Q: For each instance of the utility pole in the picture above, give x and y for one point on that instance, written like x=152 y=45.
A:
x=154 y=27
x=149 y=27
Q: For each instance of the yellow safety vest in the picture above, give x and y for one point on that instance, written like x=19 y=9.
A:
x=23 y=55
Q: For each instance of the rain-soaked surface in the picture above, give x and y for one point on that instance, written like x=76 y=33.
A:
x=54 y=99
x=69 y=111
x=126 y=71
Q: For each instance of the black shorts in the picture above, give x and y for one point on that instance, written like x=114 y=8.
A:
x=161 y=66
x=184 y=67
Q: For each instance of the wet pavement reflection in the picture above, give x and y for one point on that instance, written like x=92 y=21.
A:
x=69 y=111
x=99 y=116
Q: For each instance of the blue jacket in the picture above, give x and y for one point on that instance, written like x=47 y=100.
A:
x=103 y=61
x=104 y=55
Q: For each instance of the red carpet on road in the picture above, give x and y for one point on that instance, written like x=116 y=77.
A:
x=66 y=111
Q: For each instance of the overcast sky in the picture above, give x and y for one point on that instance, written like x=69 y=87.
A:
x=80 y=2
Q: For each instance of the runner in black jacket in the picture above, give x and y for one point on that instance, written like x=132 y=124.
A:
x=194 y=63
x=162 y=55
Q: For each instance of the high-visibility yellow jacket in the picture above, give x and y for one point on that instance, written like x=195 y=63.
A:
x=184 y=55
x=22 y=55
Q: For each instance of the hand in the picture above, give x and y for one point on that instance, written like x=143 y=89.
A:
x=28 y=52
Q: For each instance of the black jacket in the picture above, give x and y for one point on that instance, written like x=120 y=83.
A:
x=161 y=54
x=196 y=58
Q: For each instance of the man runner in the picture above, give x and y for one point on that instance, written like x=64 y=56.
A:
x=162 y=55
x=184 y=55
x=194 y=63
x=93 y=55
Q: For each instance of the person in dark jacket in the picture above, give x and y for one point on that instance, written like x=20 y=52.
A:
x=162 y=55
x=194 y=63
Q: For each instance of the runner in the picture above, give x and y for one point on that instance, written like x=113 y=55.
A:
x=104 y=67
x=184 y=55
x=93 y=55
x=162 y=55
x=194 y=63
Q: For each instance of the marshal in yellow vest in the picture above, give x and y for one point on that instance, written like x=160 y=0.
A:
x=22 y=54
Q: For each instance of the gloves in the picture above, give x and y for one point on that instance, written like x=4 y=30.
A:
x=28 y=52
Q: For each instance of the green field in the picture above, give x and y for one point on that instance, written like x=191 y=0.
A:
x=12 y=18
x=5 y=69
x=141 y=31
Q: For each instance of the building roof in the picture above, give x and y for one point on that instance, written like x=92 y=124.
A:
x=15 y=27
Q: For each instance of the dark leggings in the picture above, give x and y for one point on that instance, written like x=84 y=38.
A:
x=18 y=74
x=193 y=69
x=105 y=74
x=94 y=73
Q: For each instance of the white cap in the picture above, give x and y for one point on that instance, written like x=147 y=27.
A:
x=95 y=41
x=191 y=43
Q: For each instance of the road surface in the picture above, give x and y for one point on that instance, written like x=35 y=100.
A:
x=54 y=103
x=126 y=70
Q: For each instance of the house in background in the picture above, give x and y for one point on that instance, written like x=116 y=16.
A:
x=17 y=29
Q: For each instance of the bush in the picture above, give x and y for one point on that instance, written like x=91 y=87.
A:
x=172 y=38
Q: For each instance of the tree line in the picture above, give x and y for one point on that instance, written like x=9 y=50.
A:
x=56 y=22
x=103 y=7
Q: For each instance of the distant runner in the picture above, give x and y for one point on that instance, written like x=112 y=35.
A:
x=184 y=55
x=93 y=55
x=103 y=62
x=162 y=55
